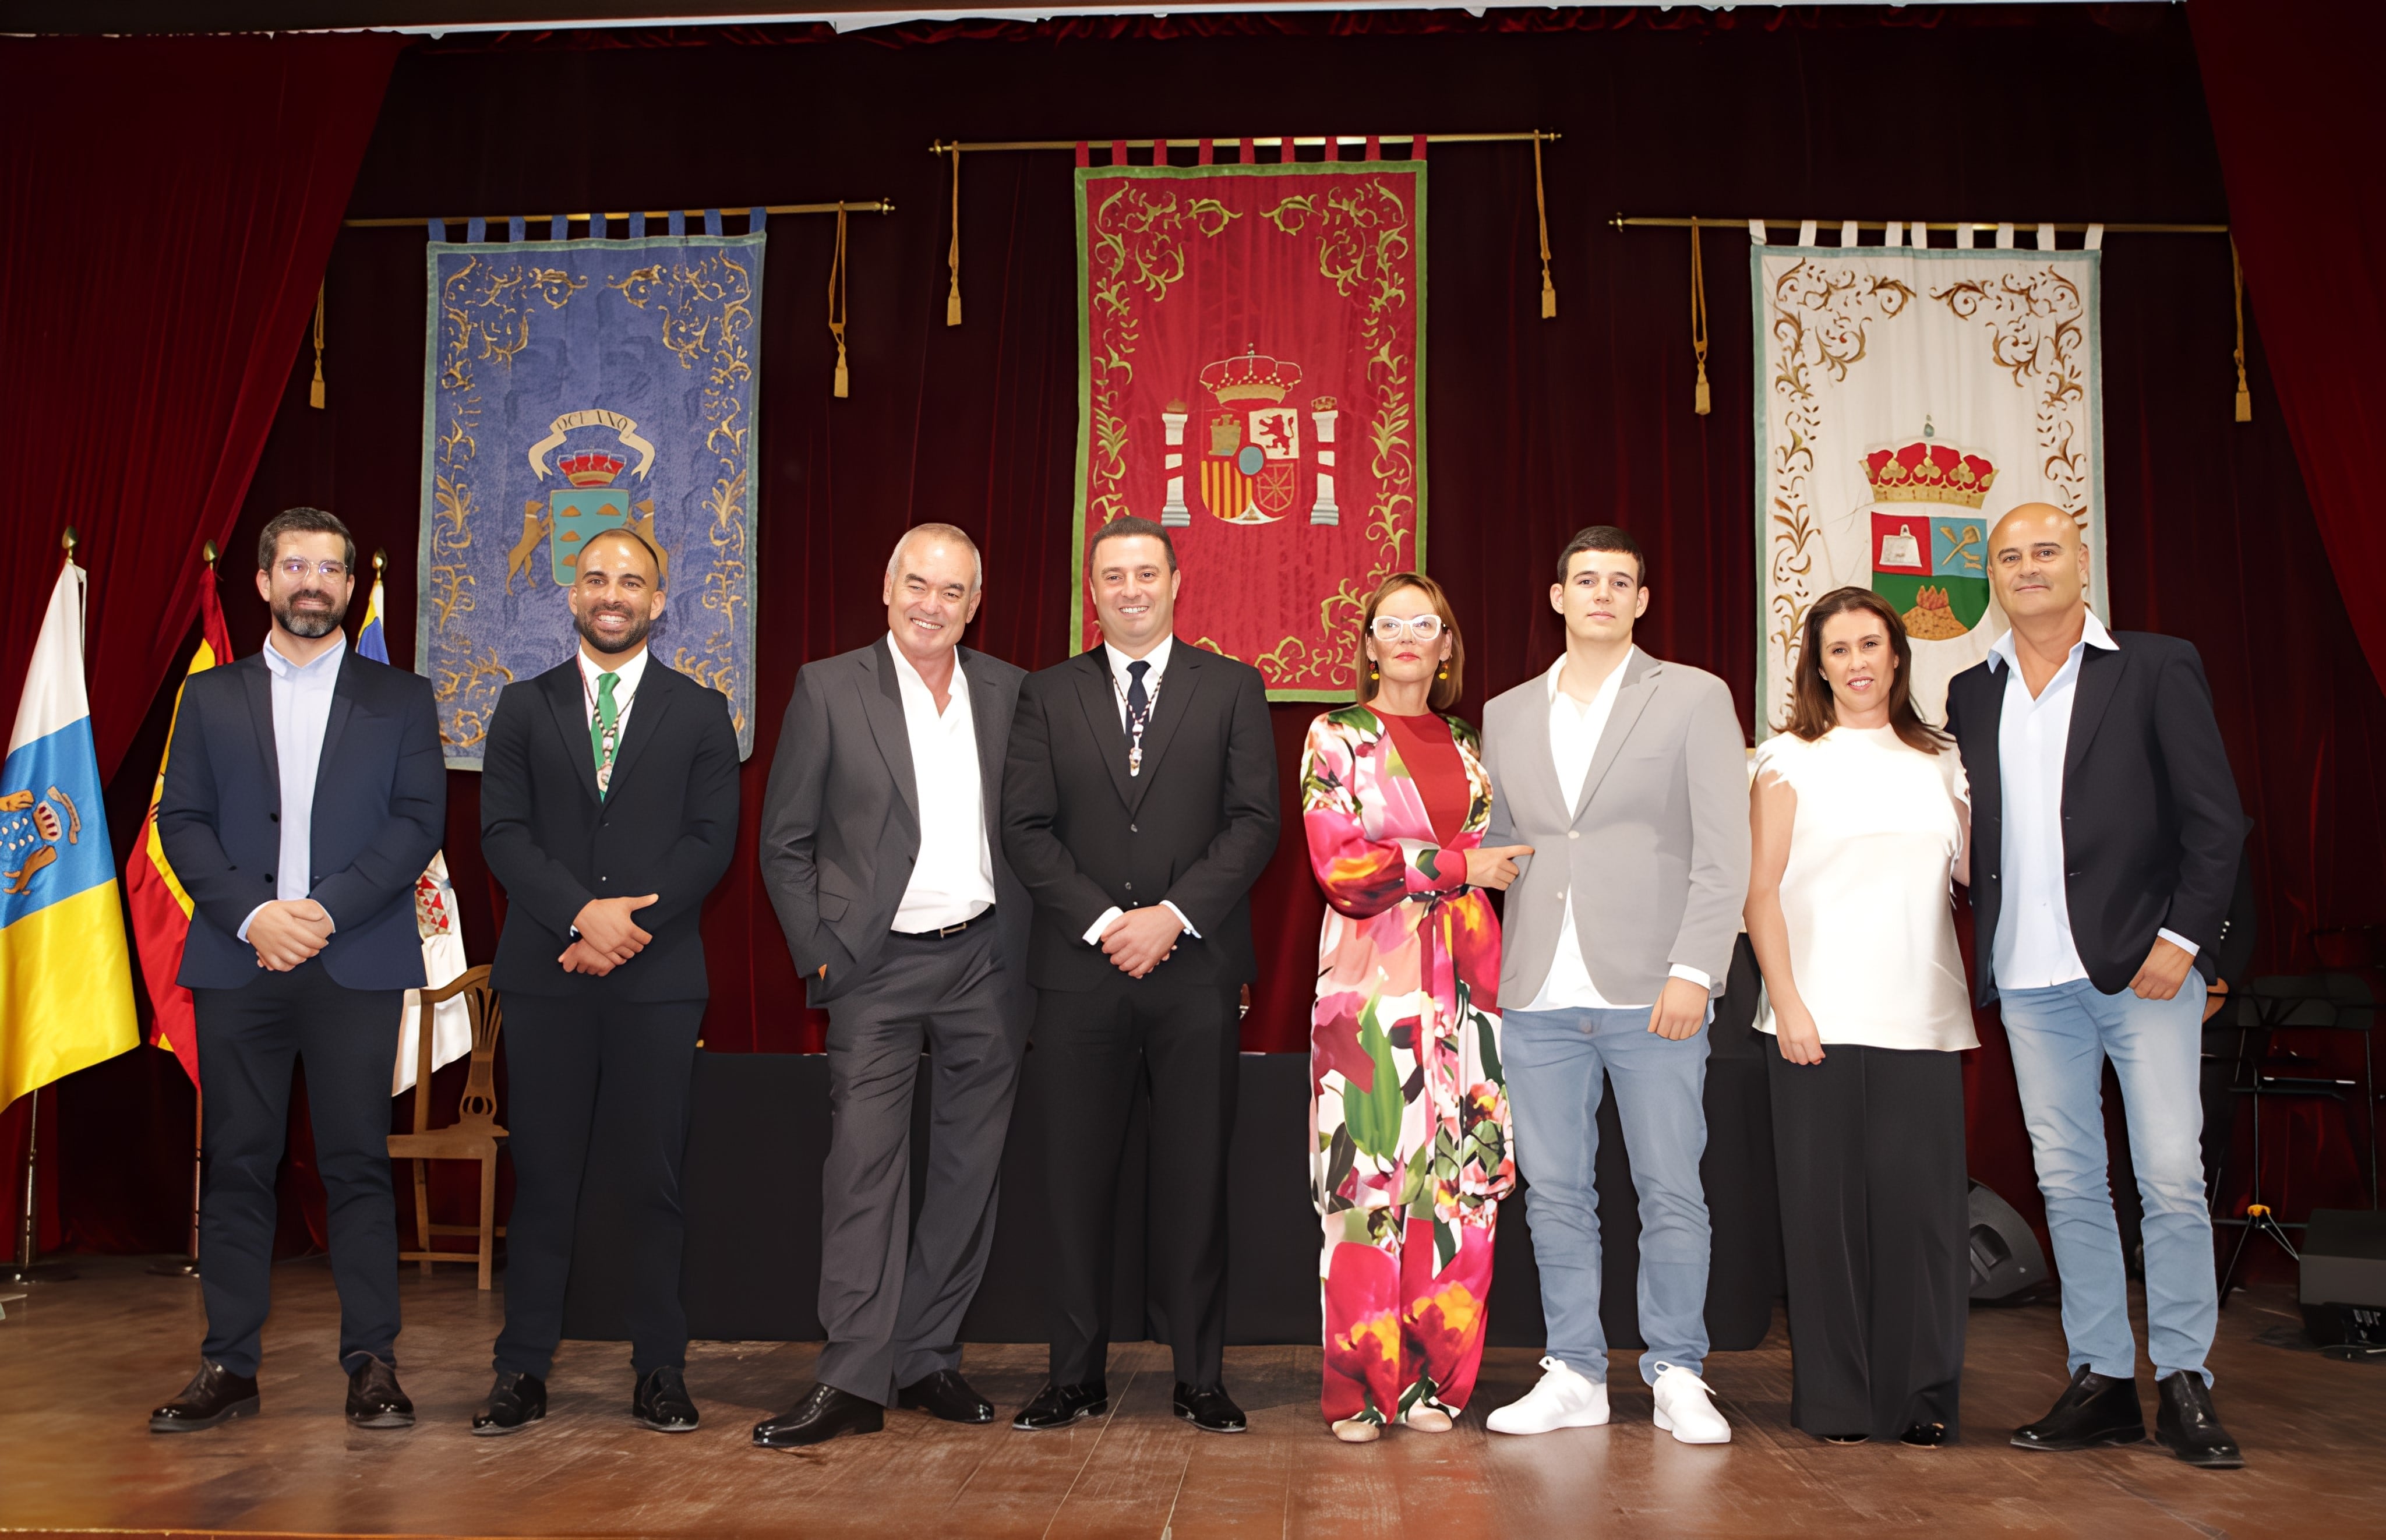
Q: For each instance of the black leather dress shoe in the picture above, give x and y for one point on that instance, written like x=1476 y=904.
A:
x=945 y=1394
x=2187 y=1426
x=1925 y=1435
x=374 y=1400
x=1209 y=1409
x=1058 y=1405
x=215 y=1395
x=2091 y=1411
x=825 y=1413
x=661 y=1402
x=514 y=1403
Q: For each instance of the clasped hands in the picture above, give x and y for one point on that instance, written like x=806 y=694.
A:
x=1140 y=939
x=609 y=937
x=287 y=932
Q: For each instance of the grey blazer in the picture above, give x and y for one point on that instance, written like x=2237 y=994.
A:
x=1656 y=852
x=841 y=817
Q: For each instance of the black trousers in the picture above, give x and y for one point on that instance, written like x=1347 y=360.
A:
x=586 y=1070
x=893 y=1292
x=1869 y=1148
x=248 y=1039
x=1092 y=1049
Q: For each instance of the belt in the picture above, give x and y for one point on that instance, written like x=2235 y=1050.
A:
x=983 y=917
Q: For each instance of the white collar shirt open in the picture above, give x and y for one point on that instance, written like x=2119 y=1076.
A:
x=952 y=879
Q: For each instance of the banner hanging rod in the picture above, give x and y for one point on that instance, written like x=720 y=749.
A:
x=1276 y=142
x=1621 y=221
x=875 y=205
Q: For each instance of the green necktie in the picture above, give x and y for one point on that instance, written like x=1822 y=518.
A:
x=604 y=731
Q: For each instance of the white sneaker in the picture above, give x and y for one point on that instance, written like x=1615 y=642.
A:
x=1563 y=1399
x=1684 y=1409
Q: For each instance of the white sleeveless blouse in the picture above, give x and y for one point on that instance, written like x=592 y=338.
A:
x=1866 y=892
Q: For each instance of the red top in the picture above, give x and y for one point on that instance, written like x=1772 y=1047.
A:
x=1434 y=764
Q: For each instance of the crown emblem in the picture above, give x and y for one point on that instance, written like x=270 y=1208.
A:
x=595 y=468
x=1252 y=377
x=1926 y=471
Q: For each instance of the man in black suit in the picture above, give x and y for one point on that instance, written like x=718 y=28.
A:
x=2105 y=838
x=609 y=805
x=1139 y=805
x=882 y=846
x=304 y=795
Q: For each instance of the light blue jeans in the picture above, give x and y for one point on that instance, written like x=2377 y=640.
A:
x=2061 y=1038
x=1555 y=1060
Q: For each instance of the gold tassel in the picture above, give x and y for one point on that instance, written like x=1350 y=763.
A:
x=836 y=298
x=953 y=254
x=1541 y=208
x=1700 y=400
x=2237 y=282
x=315 y=391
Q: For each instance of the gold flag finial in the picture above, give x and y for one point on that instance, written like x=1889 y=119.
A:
x=207 y=552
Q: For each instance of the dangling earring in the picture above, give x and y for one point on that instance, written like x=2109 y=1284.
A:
x=1445 y=672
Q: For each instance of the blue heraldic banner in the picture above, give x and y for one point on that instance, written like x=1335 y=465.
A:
x=572 y=386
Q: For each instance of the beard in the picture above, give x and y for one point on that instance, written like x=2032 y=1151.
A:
x=627 y=641
x=309 y=623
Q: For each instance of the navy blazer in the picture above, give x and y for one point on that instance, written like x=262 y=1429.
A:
x=665 y=826
x=2152 y=827
x=380 y=805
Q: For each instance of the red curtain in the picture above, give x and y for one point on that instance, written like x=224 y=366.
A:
x=1534 y=427
x=2292 y=92
x=168 y=204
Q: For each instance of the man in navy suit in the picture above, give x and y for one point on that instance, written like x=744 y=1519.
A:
x=304 y=792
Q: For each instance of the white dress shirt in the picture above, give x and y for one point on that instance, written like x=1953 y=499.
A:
x=2034 y=948
x=1158 y=659
x=629 y=671
x=302 y=713
x=952 y=879
x=1576 y=728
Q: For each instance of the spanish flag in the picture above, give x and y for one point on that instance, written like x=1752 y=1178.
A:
x=161 y=910
x=66 y=984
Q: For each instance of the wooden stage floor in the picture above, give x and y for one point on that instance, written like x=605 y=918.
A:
x=81 y=1362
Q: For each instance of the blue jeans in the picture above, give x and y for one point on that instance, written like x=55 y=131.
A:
x=1555 y=1060
x=2061 y=1038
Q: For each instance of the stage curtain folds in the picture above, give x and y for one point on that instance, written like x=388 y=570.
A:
x=2290 y=88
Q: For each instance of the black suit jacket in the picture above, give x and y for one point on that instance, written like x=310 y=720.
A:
x=666 y=827
x=1196 y=828
x=841 y=819
x=381 y=803
x=2152 y=828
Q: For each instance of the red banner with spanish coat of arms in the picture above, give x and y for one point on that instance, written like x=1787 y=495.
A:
x=1250 y=376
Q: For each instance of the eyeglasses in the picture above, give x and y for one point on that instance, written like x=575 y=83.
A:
x=296 y=567
x=1392 y=628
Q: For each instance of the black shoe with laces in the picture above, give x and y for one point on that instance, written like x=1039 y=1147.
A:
x=1058 y=1405
x=1209 y=1409
x=515 y=1402
x=215 y=1395
x=825 y=1412
x=661 y=1402
x=945 y=1394
x=374 y=1400
x=2093 y=1410
x=2187 y=1426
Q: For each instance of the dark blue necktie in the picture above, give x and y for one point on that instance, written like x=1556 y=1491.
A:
x=1138 y=699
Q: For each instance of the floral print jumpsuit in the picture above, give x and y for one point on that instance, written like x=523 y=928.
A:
x=1409 y=1148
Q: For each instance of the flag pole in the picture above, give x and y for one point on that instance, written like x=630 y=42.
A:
x=28 y=1225
x=188 y=1266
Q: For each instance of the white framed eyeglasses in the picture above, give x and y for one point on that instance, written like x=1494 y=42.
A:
x=1392 y=628
x=298 y=567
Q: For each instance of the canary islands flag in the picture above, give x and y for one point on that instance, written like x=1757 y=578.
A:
x=66 y=981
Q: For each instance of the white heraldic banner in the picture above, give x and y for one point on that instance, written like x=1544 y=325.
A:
x=1908 y=399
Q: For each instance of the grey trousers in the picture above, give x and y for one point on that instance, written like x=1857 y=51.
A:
x=892 y=1293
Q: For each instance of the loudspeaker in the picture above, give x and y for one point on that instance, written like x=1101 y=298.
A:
x=2343 y=1288
x=2007 y=1266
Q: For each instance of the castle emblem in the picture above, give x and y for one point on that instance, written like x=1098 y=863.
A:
x=1929 y=540
x=1250 y=446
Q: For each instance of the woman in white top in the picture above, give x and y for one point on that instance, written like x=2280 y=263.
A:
x=1861 y=817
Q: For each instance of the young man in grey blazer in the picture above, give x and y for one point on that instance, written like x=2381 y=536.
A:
x=882 y=847
x=1627 y=777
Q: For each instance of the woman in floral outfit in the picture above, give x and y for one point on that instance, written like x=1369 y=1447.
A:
x=1410 y=1149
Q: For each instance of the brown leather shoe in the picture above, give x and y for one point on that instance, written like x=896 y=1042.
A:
x=215 y=1395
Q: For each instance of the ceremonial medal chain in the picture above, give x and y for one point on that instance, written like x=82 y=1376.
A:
x=1135 y=724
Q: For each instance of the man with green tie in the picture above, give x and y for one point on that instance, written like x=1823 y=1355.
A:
x=609 y=805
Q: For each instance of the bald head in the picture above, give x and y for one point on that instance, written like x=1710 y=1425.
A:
x=2039 y=567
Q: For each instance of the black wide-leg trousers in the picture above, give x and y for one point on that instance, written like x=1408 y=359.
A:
x=248 y=1038
x=584 y=1071
x=1868 y=1146
x=1092 y=1049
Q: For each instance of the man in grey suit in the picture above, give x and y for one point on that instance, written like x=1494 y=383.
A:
x=881 y=846
x=1627 y=777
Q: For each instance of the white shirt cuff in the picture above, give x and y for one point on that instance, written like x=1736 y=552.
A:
x=2178 y=941
x=1181 y=920
x=252 y=919
x=1691 y=975
x=1094 y=932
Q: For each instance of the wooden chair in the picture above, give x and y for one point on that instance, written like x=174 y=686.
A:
x=474 y=1135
